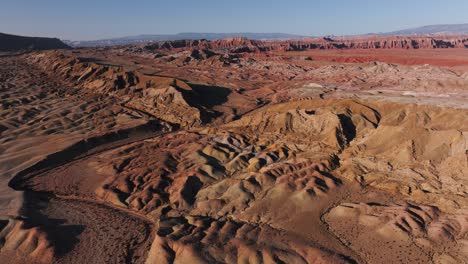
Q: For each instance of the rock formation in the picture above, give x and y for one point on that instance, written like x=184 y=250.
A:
x=19 y=43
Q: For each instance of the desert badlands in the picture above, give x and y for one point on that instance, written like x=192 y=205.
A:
x=235 y=151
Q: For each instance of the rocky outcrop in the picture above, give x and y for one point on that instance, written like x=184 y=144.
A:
x=241 y=45
x=161 y=97
x=16 y=43
x=235 y=45
x=380 y=43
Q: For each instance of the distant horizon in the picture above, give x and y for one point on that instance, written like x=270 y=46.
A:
x=286 y=33
x=181 y=33
x=232 y=33
x=94 y=20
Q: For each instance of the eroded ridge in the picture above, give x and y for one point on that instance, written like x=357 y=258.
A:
x=202 y=240
x=422 y=232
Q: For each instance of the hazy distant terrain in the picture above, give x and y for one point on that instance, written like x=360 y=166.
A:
x=160 y=37
x=452 y=29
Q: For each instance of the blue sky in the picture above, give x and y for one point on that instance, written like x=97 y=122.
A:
x=96 y=19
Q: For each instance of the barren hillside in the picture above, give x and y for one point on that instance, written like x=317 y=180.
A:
x=236 y=151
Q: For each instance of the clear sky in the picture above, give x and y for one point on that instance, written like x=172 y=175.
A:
x=97 y=19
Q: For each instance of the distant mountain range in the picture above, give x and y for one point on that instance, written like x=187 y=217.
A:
x=449 y=29
x=161 y=37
